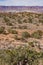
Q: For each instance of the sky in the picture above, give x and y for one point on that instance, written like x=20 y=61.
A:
x=21 y=2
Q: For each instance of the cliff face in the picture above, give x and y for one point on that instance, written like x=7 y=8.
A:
x=22 y=8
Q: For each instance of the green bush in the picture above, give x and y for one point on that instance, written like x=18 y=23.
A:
x=6 y=19
x=31 y=44
x=12 y=31
x=2 y=30
x=19 y=21
x=17 y=38
x=9 y=23
x=38 y=34
x=20 y=54
x=30 y=20
x=25 y=35
x=24 y=21
x=41 y=21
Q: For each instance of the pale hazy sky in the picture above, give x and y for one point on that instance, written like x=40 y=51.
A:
x=21 y=2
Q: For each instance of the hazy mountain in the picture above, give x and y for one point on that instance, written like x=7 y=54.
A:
x=21 y=8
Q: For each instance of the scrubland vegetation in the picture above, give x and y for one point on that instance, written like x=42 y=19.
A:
x=21 y=38
x=20 y=56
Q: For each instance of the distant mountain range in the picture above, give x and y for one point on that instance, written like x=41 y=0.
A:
x=21 y=8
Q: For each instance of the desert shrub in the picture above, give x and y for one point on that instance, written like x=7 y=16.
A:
x=2 y=29
x=12 y=31
x=16 y=37
x=0 y=15
x=25 y=35
x=9 y=23
x=34 y=43
x=31 y=44
x=38 y=34
x=13 y=17
x=20 y=54
x=24 y=21
x=5 y=32
x=30 y=20
x=24 y=27
x=19 y=21
x=41 y=21
x=6 y=19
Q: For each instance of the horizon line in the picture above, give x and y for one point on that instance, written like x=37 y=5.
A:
x=18 y=5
